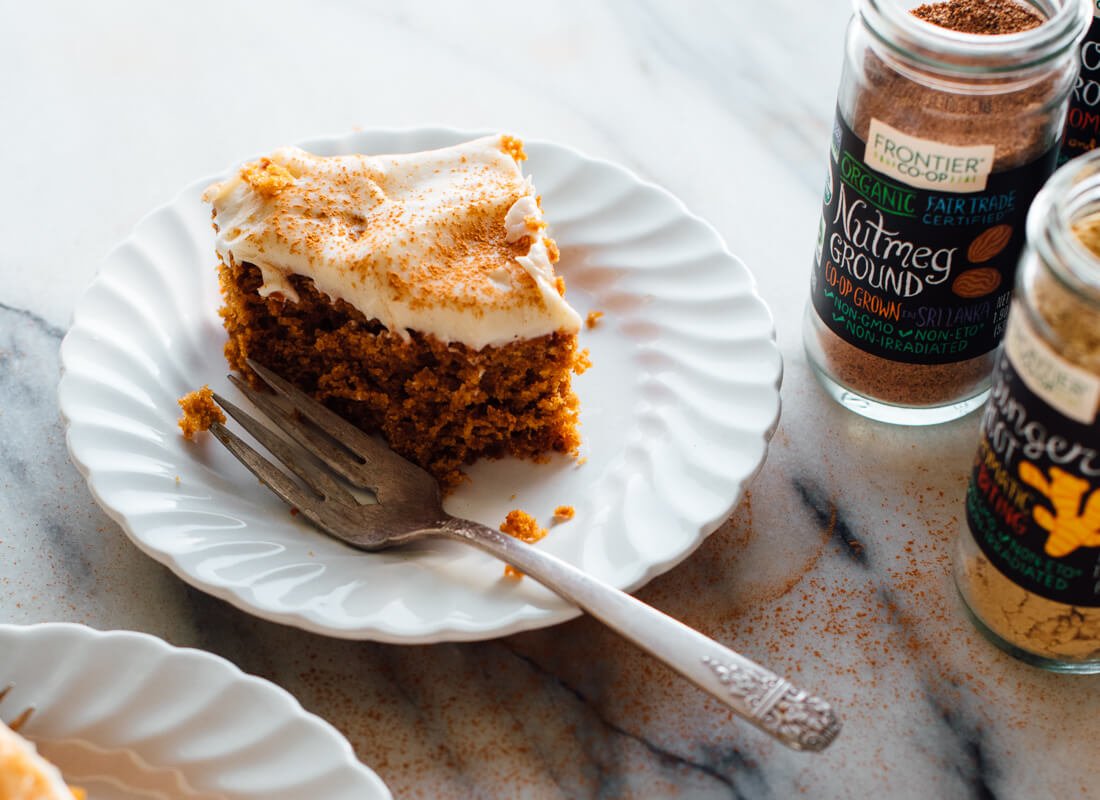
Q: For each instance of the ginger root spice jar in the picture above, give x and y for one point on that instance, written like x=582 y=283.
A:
x=1027 y=559
x=949 y=118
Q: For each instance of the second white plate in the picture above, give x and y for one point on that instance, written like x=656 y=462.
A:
x=676 y=414
x=126 y=716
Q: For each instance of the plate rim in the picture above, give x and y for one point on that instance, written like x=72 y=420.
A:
x=135 y=641
x=307 y=619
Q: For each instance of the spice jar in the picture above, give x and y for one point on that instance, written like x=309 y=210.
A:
x=1083 y=123
x=1027 y=560
x=941 y=140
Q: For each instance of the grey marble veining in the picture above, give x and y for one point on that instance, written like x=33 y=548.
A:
x=834 y=570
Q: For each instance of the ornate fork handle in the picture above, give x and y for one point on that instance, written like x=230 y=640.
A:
x=771 y=703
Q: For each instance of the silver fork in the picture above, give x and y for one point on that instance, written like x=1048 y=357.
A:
x=25 y=715
x=409 y=507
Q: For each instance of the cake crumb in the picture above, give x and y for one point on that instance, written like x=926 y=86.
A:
x=564 y=513
x=524 y=527
x=552 y=250
x=513 y=147
x=267 y=177
x=177 y=480
x=593 y=319
x=582 y=361
x=199 y=412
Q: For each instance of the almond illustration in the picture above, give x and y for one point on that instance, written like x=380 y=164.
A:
x=989 y=243
x=976 y=282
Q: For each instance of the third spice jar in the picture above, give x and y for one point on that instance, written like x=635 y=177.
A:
x=948 y=121
x=1027 y=559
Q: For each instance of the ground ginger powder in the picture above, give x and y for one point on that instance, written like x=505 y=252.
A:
x=1033 y=623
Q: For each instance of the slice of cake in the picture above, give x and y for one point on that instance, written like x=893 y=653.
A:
x=414 y=294
x=25 y=775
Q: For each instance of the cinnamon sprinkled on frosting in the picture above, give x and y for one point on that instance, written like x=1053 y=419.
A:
x=444 y=242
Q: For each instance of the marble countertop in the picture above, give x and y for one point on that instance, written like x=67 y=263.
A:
x=834 y=570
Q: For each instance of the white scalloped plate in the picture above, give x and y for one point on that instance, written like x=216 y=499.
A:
x=676 y=416
x=125 y=715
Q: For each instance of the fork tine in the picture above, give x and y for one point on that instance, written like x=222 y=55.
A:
x=339 y=521
x=317 y=479
x=21 y=720
x=263 y=469
x=355 y=440
x=337 y=458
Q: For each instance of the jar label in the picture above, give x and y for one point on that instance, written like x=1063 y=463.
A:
x=1033 y=504
x=927 y=164
x=912 y=274
x=1083 y=122
x=1065 y=387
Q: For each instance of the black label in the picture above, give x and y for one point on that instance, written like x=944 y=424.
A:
x=917 y=275
x=1083 y=122
x=1033 y=504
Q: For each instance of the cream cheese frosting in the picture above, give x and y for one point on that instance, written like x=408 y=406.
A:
x=448 y=242
x=25 y=775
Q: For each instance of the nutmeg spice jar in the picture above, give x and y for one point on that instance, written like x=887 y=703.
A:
x=941 y=140
x=1027 y=559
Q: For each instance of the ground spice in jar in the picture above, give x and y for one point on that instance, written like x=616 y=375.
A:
x=986 y=17
x=1029 y=565
x=1076 y=322
x=930 y=178
x=1042 y=627
x=521 y=525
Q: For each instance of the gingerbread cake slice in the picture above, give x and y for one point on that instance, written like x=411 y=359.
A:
x=415 y=294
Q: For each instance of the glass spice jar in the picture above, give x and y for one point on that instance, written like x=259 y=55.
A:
x=1083 y=123
x=1027 y=559
x=941 y=140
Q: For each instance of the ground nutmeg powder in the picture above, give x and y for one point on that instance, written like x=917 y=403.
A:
x=985 y=17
